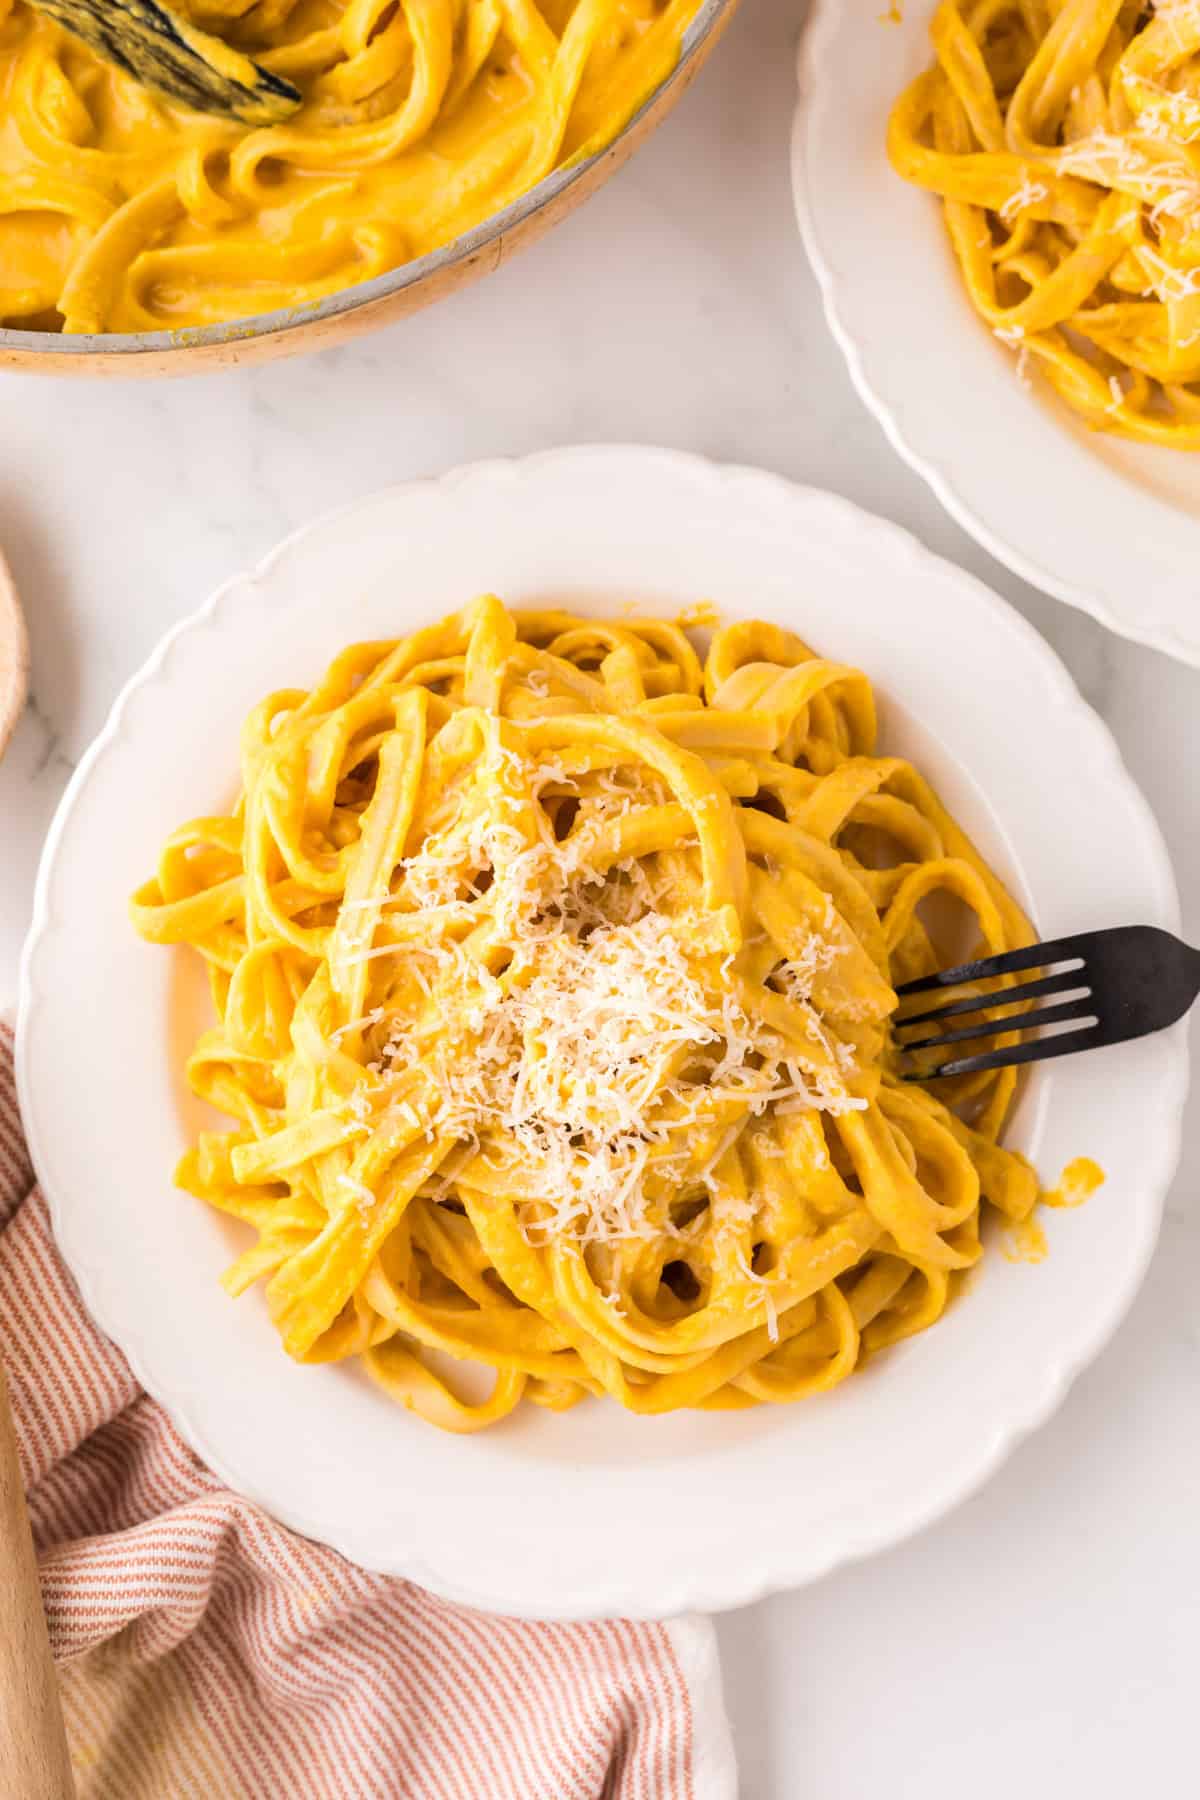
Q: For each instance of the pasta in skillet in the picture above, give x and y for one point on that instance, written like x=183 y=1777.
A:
x=120 y=211
x=1062 y=139
x=553 y=970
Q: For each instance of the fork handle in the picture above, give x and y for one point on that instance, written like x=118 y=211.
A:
x=34 y=1759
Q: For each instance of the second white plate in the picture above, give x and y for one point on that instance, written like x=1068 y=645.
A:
x=1112 y=527
x=594 y=1512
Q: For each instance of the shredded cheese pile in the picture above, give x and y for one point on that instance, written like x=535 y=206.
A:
x=553 y=971
x=592 y=1060
x=1063 y=142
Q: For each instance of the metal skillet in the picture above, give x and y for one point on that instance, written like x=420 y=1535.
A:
x=389 y=297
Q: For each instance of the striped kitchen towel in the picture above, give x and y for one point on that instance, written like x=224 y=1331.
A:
x=205 y=1651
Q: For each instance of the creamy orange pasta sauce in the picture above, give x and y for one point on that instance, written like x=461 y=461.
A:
x=554 y=970
x=120 y=211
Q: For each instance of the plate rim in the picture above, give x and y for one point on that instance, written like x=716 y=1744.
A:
x=815 y=90
x=741 y=1581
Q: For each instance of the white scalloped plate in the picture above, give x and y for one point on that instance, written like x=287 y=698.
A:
x=1109 y=526
x=594 y=1512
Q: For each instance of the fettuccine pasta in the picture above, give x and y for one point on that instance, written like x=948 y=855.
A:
x=120 y=211
x=554 y=970
x=1064 y=139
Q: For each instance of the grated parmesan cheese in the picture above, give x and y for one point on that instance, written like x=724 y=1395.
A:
x=1030 y=193
x=582 y=1071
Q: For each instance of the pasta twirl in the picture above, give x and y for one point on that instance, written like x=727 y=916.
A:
x=554 y=969
x=1062 y=139
x=120 y=211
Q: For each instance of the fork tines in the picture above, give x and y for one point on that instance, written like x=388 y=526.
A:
x=1000 y=1021
x=1112 y=986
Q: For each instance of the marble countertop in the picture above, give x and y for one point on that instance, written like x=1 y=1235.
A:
x=1043 y=1637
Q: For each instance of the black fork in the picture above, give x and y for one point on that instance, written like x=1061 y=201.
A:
x=1111 y=985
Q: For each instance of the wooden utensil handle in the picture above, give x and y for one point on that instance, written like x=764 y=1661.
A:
x=34 y=1761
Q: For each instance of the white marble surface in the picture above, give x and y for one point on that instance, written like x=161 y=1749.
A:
x=1043 y=1638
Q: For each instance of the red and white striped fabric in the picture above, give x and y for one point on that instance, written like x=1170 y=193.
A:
x=203 y=1650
